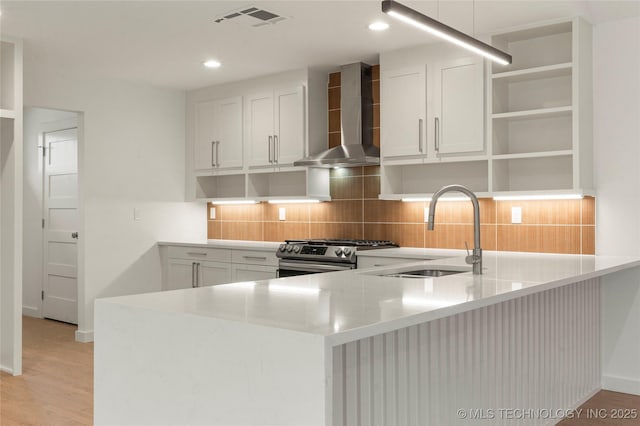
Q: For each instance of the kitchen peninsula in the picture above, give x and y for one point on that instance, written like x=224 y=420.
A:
x=357 y=347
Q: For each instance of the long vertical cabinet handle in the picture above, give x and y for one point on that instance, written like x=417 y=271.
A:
x=276 y=148
x=217 y=153
x=270 y=143
x=197 y=274
x=420 y=135
x=213 y=153
x=437 y=134
x=193 y=274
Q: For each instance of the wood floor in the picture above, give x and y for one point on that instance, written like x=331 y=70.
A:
x=607 y=408
x=56 y=388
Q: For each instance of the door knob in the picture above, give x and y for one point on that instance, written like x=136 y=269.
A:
x=74 y=235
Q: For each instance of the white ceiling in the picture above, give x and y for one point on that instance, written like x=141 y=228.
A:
x=164 y=43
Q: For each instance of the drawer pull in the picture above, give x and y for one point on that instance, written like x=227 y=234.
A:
x=195 y=253
x=255 y=257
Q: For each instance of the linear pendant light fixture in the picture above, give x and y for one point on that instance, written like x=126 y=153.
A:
x=437 y=28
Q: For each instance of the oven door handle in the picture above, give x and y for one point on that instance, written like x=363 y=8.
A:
x=312 y=267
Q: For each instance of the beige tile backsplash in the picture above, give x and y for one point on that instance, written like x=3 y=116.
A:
x=563 y=226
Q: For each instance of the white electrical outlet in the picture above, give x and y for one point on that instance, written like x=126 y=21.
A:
x=516 y=214
x=137 y=214
x=426 y=214
x=282 y=213
x=212 y=213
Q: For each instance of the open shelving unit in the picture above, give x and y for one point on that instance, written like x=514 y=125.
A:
x=262 y=185
x=540 y=112
x=294 y=183
x=231 y=186
x=404 y=181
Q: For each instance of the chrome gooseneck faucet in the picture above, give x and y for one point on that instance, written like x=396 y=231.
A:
x=474 y=259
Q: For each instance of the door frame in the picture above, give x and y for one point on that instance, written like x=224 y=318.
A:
x=80 y=335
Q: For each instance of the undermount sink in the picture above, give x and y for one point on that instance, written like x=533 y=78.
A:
x=421 y=273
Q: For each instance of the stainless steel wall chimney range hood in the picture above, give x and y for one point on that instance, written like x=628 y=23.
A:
x=356 y=116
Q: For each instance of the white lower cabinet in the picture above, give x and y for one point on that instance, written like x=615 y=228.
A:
x=179 y=274
x=213 y=273
x=188 y=266
x=253 y=265
x=183 y=273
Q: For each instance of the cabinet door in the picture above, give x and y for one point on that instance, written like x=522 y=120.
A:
x=242 y=273
x=213 y=273
x=228 y=132
x=404 y=112
x=289 y=125
x=460 y=90
x=180 y=274
x=260 y=129
x=205 y=136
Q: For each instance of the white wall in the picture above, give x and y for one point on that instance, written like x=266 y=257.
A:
x=11 y=131
x=617 y=174
x=32 y=225
x=131 y=155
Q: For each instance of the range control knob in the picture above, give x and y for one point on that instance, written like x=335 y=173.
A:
x=338 y=252
x=296 y=249
x=289 y=249
x=346 y=251
x=282 y=247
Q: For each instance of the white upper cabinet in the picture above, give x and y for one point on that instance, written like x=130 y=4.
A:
x=275 y=130
x=260 y=129
x=459 y=114
x=432 y=103
x=432 y=121
x=289 y=125
x=402 y=123
x=218 y=134
x=245 y=136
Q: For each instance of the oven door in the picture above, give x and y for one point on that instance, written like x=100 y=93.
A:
x=292 y=268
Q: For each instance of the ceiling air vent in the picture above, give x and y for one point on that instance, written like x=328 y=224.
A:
x=250 y=17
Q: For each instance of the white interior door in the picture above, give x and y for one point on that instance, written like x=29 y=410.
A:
x=60 y=288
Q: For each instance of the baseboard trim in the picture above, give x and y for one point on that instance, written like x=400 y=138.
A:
x=621 y=384
x=6 y=369
x=30 y=311
x=84 y=336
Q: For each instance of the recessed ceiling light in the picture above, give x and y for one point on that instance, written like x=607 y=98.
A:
x=211 y=63
x=378 y=26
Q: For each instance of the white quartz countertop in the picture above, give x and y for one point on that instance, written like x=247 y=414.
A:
x=271 y=246
x=350 y=305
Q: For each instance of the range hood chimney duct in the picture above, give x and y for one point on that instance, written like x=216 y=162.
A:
x=356 y=117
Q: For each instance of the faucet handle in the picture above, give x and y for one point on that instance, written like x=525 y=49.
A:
x=472 y=259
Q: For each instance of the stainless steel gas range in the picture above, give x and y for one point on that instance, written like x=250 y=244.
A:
x=302 y=257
